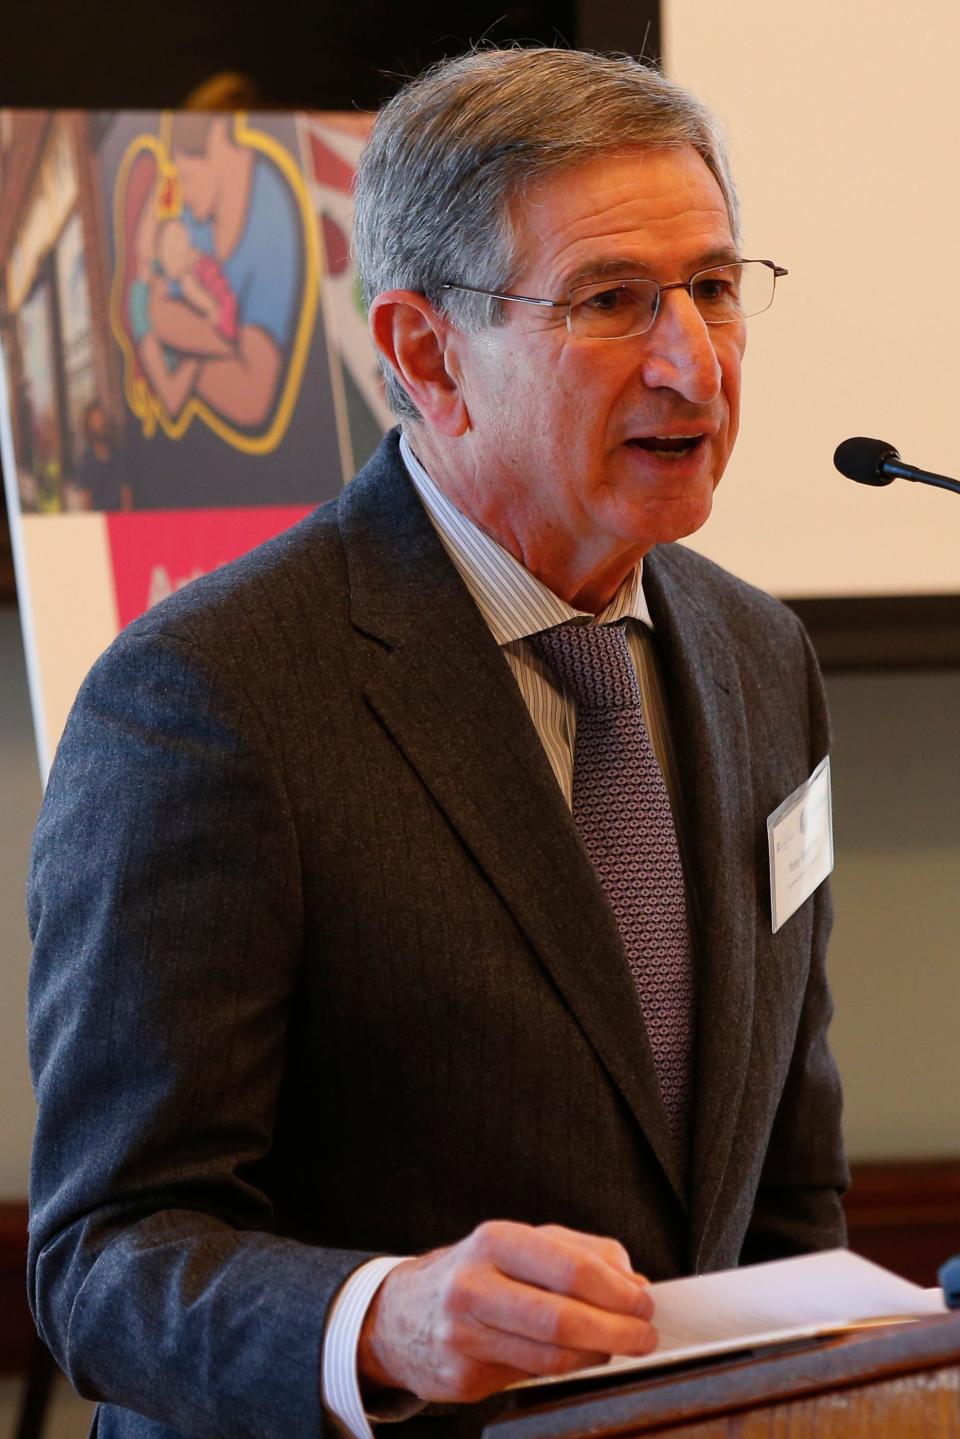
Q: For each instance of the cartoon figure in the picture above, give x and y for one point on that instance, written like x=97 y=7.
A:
x=216 y=285
x=199 y=277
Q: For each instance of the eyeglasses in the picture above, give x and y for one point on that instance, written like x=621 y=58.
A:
x=617 y=309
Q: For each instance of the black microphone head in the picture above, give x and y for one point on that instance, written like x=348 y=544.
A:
x=862 y=460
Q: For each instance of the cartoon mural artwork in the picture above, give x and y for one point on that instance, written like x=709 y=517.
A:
x=331 y=146
x=186 y=368
x=215 y=283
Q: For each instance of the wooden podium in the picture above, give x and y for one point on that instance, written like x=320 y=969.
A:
x=898 y=1382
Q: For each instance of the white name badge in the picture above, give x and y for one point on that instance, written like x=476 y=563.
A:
x=800 y=836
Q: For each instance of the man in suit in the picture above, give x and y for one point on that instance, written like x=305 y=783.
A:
x=357 y=1091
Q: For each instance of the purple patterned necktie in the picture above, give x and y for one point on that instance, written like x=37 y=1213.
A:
x=622 y=811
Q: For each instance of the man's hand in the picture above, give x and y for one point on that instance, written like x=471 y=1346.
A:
x=507 y=1302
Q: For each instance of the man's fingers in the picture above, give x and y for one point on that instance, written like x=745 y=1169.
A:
x=609 y=1249
x=555 y=1320
x=523 y=1358
x=561 y=1261
x=508 y=1300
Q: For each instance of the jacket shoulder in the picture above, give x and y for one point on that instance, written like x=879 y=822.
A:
x=255 y=588
x=747 y=632
x=724 y=593
x=298 y=575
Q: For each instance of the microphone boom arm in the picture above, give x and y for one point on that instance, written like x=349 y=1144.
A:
x=897 y=470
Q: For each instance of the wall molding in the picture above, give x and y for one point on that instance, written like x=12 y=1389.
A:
x=883 y=632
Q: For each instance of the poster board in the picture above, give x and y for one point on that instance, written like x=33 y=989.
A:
x=186 y=368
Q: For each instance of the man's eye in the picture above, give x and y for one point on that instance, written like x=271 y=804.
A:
x=714 y=289
x=609 y=311
x=718 y=291
x=617 y=297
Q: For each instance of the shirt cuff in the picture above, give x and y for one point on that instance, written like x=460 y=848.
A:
x=340 y=1384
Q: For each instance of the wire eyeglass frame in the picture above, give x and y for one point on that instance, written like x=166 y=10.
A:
x=650 y=286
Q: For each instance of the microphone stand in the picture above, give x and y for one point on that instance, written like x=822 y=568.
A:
x=897 y=470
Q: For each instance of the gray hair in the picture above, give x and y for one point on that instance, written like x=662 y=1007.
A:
x=452 y=151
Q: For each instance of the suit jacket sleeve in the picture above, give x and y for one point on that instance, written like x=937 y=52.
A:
x=164 y=901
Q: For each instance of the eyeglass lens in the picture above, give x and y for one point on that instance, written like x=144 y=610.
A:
x=723 y=294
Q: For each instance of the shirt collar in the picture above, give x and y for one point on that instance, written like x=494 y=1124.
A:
x=514 y=603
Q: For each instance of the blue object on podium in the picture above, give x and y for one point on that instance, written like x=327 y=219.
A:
x=949 y=1277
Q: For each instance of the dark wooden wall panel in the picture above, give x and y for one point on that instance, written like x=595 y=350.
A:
x=902 y=632
x=16 y=1326
x=906 y=1216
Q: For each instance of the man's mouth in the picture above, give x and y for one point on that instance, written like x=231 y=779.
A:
x=668 y=444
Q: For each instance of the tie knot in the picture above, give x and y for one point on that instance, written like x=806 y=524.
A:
x=593 y=661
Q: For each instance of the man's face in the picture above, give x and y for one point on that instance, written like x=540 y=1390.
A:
x=563 y=466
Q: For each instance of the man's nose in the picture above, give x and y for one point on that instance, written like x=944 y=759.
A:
x=679 y=353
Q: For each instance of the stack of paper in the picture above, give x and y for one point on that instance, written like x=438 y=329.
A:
x=767 y=1304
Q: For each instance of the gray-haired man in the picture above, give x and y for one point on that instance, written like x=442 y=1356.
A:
x=400 y=890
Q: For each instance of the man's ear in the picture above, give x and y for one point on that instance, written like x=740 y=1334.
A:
x=414 y=339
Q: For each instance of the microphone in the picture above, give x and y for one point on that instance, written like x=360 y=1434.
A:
x=875 y=462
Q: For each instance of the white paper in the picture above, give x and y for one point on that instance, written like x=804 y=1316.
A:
x=800 y=841
x=787 y=1299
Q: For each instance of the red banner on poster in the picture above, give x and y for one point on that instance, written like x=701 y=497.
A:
x=155 y=553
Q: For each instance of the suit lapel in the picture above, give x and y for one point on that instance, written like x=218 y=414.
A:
x=445 y=694
x=708 y=724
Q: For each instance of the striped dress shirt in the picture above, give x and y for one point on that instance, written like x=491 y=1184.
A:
x=515 y=605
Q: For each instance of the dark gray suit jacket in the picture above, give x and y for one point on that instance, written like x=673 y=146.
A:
x=322 y=970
